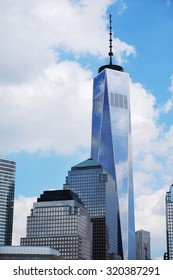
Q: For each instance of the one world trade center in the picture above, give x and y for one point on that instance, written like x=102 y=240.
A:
x=111 y=143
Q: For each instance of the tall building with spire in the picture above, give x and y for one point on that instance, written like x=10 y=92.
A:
x=111 y=143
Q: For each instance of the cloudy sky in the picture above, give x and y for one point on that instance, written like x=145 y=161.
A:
x=50 y=51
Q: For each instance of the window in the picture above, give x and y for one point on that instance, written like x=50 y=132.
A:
x=118 y=100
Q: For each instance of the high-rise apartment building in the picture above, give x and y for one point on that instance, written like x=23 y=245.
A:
x=169 y=223
x=112 y=144
x=7 y=185
x=59 y=220
x=96 y=188
x=143 y=245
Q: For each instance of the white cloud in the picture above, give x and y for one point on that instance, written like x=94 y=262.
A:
x=122 y=7
x=145 y=129
x=22 y=207
x=122 y=50
x=169 y=104
x=171 y=86
x=45 y=101
x=44 y=115
x=35 y=33
x=152 y=150
x=150 y=216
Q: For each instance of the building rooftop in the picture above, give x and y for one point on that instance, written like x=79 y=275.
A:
x=28 y=251
x=57 y=195
x=112 y=67
x=89 y=163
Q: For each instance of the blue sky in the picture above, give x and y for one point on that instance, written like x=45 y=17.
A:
x=50 y=52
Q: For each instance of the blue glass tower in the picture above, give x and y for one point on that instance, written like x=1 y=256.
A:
x=96 y=188
x=111 y=142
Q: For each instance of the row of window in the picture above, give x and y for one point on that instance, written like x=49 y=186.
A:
x=59 y=238
x=33 y=231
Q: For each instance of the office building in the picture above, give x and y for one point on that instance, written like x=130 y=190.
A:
x=143 y=245
x=96 y=188
x=7 y=185
x=59 y=220
x=169 y=224
x=111 y=143
x=28 y=253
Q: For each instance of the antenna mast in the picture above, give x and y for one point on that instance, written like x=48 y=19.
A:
x=110 y=40
x=110 y=65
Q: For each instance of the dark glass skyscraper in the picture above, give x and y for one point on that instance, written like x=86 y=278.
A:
x=169 y=223
x=96 y=188
x=111 y=142
x=7 y=185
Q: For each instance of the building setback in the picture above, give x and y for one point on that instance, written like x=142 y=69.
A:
x=143 y=245
x=7 y=185
x=96 y=188
x=59 y=220
x=111 y=143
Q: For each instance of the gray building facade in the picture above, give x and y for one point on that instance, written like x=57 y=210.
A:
x=96 y=188
x=169 y=224
x=143 y=251
x=59 y=220
x=7 y=187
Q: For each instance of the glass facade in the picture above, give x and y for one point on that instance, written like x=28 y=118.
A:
x=111 y=146
x=7 y=185
x=169 y=223
x=96 y=188
x=59 y=220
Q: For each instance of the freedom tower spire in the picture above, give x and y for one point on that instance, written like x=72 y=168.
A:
x=110 y=53
x=111 y=144
x=110 y=40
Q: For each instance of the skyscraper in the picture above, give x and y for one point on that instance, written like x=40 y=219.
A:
x=59 y=220
x=96 y=188
x=169 y=223
x=7 y=185
x=111 y=143
x=143 y=245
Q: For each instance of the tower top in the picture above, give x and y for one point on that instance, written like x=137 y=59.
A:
x=110 y=65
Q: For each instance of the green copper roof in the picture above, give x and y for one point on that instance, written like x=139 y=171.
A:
x=89 y=163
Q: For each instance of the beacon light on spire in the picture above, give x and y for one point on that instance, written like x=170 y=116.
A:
x=110 y=65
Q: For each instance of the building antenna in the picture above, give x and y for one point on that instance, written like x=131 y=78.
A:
x=110 y=40
x=110 y=65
